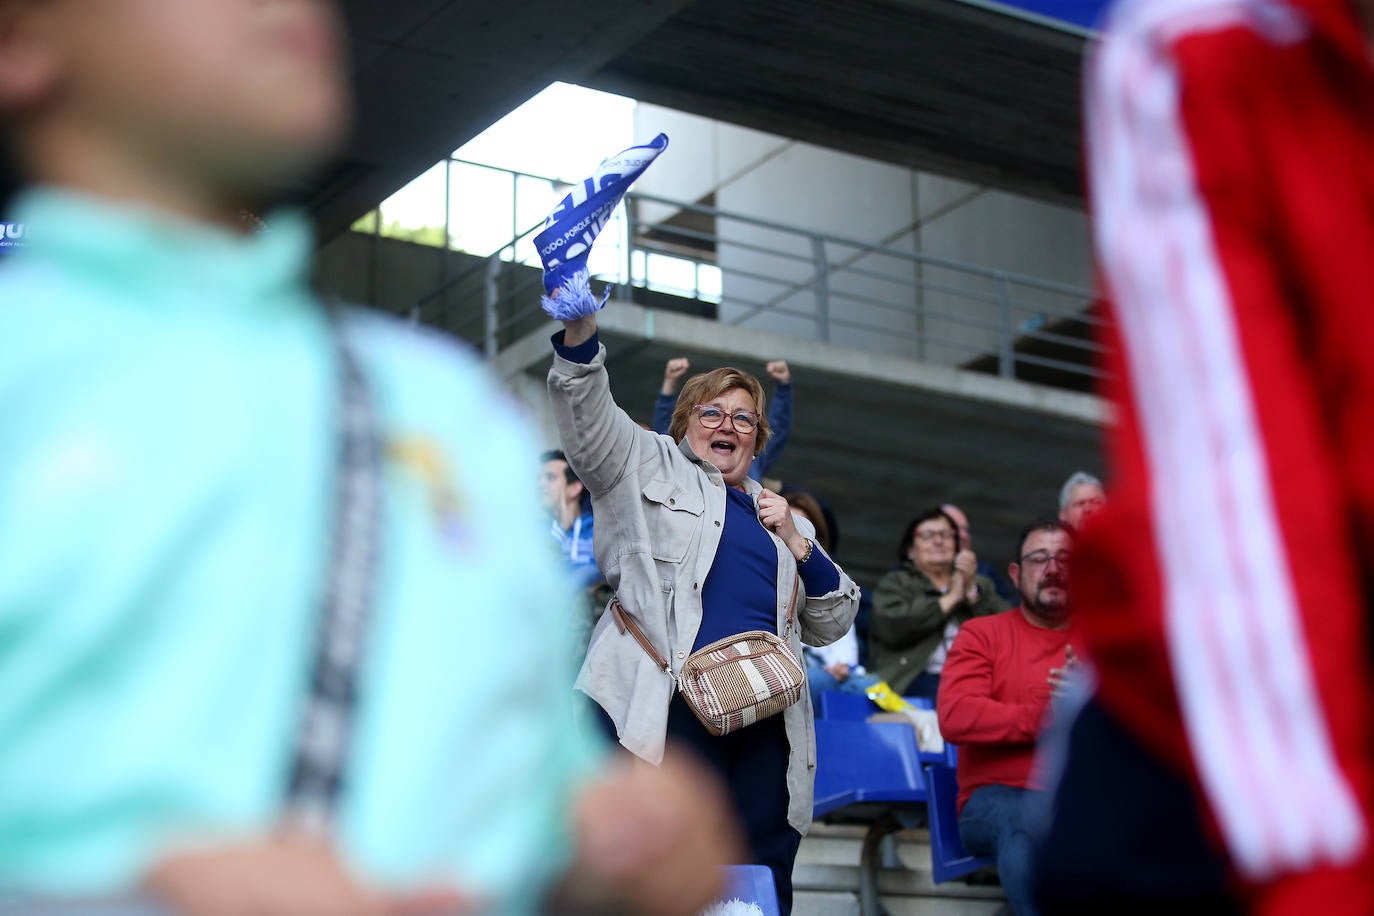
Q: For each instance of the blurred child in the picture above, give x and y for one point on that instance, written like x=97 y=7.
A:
x=189 y=445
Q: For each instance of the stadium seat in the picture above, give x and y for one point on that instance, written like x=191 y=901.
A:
x=752 y=884
x=948 y=859
x=850 y=707
x=869 y=773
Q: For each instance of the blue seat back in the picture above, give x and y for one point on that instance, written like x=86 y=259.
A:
x=866 y=762
x=848 y=707
x=948 y=859
x=752 y=884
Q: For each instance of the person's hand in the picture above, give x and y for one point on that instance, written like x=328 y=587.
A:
x=282 y=875
x=966 y=563
x=776 y=516
x=673 y=371
x=1059 y=677
x=655 y=838
x=839 y=671
x=781 y=374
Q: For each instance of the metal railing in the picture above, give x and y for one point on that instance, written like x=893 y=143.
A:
x=884 y=297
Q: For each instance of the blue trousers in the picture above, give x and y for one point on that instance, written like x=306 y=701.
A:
x=818 y=681
x=993 y=824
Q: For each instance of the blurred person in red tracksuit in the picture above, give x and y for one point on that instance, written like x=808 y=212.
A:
x=1224 y=759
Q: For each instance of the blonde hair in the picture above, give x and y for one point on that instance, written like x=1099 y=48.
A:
x=706 y=387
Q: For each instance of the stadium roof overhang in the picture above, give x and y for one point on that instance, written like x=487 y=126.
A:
x=968 y=88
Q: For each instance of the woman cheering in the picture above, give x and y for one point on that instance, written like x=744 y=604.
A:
x=697 y=551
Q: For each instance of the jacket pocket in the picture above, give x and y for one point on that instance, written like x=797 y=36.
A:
x=672 y=514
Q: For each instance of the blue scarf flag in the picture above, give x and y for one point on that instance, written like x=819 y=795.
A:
x=574 y=224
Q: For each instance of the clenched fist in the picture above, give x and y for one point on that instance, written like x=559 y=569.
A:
x=673 y=371
x=781 y=374
x=776 y=516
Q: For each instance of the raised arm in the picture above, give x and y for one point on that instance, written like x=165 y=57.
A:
x=779 y=419
x=599 y=438
x=673 y=371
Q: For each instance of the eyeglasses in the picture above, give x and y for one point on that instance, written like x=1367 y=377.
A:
x=744 y=421
x=1041 y=558
x=937 y=534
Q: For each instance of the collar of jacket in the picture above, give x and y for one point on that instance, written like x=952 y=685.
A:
x=751 y=486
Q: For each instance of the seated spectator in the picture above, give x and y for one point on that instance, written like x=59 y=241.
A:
x=1081 y=497
x=999 y=678
x=919 y=607
x=836 y=666
x=779 y=412
x=985 y=567
x=564 y=498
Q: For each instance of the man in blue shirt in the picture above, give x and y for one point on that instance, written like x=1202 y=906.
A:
x=569 y=505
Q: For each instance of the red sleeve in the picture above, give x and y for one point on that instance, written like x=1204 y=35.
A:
x=1238 y=516
x=967 y=712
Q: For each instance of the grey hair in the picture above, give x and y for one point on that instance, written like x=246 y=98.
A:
x=1079 y=479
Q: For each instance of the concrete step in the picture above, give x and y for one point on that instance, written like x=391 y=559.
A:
x=832 y=903
x=826 y=878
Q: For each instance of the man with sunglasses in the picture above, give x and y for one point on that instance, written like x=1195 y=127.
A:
x=998 y=681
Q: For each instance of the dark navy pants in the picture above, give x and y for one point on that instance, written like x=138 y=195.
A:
x=752 y=764
x=1127 y=836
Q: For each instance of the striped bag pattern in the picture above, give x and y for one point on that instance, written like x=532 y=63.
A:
x=736 y=681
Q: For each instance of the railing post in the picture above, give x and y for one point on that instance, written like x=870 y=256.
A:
x=1006 y=355
x=822 y=266
x=629 y=247
x=490 y=300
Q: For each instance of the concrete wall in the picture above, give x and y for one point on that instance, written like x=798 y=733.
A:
x=883 y=303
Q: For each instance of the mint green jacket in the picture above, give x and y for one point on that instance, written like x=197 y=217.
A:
x=167 y=398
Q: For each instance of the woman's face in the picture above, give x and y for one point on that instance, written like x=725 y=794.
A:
x=731 y=451
x=933 y=547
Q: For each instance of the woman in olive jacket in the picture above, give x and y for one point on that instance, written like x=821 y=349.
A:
x=918 y=607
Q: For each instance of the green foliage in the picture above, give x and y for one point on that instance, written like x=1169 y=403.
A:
x=393 y=229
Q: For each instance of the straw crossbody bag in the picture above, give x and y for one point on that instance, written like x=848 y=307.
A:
x=735 y=681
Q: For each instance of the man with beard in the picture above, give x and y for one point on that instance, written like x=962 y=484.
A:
x=998 y=680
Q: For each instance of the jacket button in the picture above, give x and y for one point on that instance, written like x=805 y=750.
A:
x=717 y=523
x=671 y=501
x=681 y=655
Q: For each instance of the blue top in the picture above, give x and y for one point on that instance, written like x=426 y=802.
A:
x=779 y=421
x=168 y=396
x=575 y=545
x=743 y=593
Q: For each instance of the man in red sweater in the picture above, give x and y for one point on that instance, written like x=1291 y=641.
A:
x=1225 y=588
x=995 y=692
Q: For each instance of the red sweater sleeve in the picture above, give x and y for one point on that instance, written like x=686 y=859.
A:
x=967 y=711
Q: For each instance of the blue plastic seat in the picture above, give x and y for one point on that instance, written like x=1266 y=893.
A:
x=859 y=762
x=869 y=773
x=948 y=858
x=851 y=707
x=752 y=884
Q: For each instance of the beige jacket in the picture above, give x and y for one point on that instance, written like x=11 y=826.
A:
x=659 y=511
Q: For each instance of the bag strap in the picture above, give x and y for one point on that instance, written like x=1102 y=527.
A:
x=624 y=622
x=322 y=740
